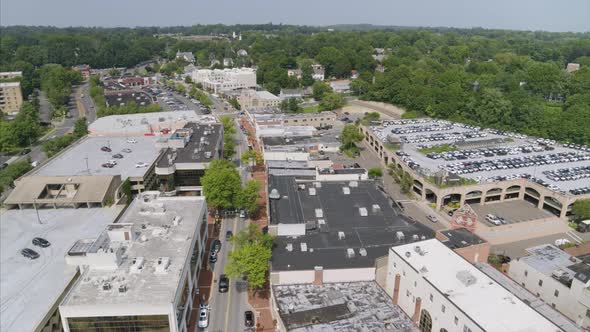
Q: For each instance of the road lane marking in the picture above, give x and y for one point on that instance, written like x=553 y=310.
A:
x=230 y=287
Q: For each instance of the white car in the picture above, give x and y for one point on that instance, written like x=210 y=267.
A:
x=131 y=140
x=203 y=316
x=141 y=165
x=112 y=161
x=432 y=218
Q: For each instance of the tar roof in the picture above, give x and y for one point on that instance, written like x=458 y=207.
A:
x=119 y=99
x=29 y=288
x=143 y=123
x=460 y=238
x=341 y=225
x=159 y=238
x=87 y=152
x=203 y=140
x=444 y=270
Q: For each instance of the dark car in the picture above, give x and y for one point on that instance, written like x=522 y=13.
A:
x=41 y=242
x=29 y=253
x=249 y=318
x=118 y=156
x=216 y=245
x=213 y=257
x=228 y=235
x=223 y=283
x=108 y=165
x=25 y=151
x=105 y=149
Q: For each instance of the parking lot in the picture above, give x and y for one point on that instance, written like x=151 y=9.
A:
x=171 y=101
x=512 y=212
x=488 y=155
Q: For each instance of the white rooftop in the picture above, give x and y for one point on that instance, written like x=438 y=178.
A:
x=157 y=238
x=143 y=123
x=547 y=258
x=73 y=160
x=487 y=303
x=266 y=95
x=9 y=84
x=28 y=288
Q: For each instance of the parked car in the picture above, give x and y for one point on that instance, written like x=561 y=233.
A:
x=108 y=165
x=203 y=316
x=29 y=253
x=228 y=235
x=223 y=283
x=249 y=318
x=432 y=218
x=41 y=242
x=25 y=151
x=216 y=246
x=131 y=140
x=212 y=257
x=492 y=219
x=126 y=150
x=118 y=156
x=105 y=149
x=141 y=165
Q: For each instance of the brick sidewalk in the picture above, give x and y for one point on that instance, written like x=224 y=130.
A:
x=260 y=302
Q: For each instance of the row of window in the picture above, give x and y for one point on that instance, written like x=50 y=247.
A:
x=555 y=293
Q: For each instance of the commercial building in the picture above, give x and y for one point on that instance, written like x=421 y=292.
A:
x=85 y=70
x=465 y=243
x=333 y=230
x=304 y=148
x=291 y=93
x=144 y=124
x=118 y=98
x=32 y=289
x=185 y=156
x=496 y=166
x=140 y=273
x=224 y=80
x=11 y=97
x=558 y=278
x=271 y=119
x=442 y=291
x=258 y=99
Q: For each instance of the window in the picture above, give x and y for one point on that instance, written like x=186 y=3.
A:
x=442 y=308
x=152 y=323
x=556 y=293
x=540 y=282
x=456 y=320
x=431 y=298
x=466 y=329
x=407 y=293
x=526 y=273
x=425 y=321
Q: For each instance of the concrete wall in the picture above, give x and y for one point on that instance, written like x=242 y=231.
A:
x=292 y=277
x=349 y=275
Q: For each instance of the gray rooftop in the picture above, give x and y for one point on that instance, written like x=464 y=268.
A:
x=336 y=307
x=460 y=238
x=343 y=226
x=201 y=147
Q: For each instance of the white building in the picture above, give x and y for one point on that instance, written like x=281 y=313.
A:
x=142 y=271
x=258 y=99
x=223 y=80
x=560 y=279
x=186 y=56
x=442 y=291
x=318 y=72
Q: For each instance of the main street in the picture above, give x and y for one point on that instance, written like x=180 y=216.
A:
x=227 y=309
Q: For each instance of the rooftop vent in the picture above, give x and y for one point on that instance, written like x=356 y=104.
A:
x=162 y=264
x=415 y=237
x=317 y=184
x=208 y=154
x=350 y=253
x=363 y=212
x=375 y=208
x=466 y=278
x=363 y=252
x=319 y=213
x=400 y=235
x=346 y=190
x=176 y=220
x=408 y=254
x=289 y=247
x=106 y=286
x=122 y=289
x=341 y=236
x=303 y=247
x=274 y=194
x=312 y=191
x=419 y=250
x=136 y=265
x=353 y=184
x=424 y=269
x=302 y=186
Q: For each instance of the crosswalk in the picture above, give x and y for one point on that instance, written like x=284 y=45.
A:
x=575 y=237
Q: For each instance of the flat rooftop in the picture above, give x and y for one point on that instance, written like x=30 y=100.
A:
x=461 y=238
x=547 y=258
x=417 y=133
x=441 y=268
x=340 y=226
x=29 y=288
x=299 y=141
x=120 y=99
x=355 y=306
x=143 y=123
x=74 y=159
x=201 y=146
x=151 y=219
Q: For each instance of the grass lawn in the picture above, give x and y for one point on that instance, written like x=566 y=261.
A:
x=311 y=109
x=438 y=149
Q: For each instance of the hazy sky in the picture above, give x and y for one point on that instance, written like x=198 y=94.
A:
x=549 y=15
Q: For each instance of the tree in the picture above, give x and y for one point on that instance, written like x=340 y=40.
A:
x=581 y=209
x=188 y=79
x=229 y=131
x=221 y=184
x=359 y=86
x=331 y=101
x=126 y=188
x=114 y=72
x=12 y=172
x=320 y=89
x=80 y=127
x=375 y=172
x=350 y=135
x=248 y=198
x=251 y=256
x=55 y=145
x=252 y=156
x=290 y=105
x=235 y=103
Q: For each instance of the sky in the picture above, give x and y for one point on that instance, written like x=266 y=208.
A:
x=547 y=15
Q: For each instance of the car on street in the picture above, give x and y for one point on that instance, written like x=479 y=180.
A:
x=249 y=318
x=502 y=220
x=118 y=156
x=29 y=253
x=108 y=165
x=203 y=316
x=228 y=235
x=141 y=165
x=223 y=283
x=216 y=245
x=25 y=151
x=212 y=257
x=105 y=149
x=432 y=218
x=41 y=242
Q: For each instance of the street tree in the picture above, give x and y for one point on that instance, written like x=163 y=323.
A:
x=252 y=156
x=221 y=184
x=248 y=198
x=375 y=172
x=80 y=127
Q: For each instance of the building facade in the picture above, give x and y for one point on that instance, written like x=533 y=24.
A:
x=258 y=99
x=223 y=80
x=11 y=97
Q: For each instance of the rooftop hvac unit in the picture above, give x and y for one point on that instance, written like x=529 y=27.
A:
x=162 y=264
x=346 y=190
x=319 y=213
x=136 y=265
x=303 y=247
x=274 y=194
x=466 y=278
x=341 y=236
x=363 y=212
x=375 y=208
x=312 y=191
x=400 y=235
x=176 y=220
x=363 y=252
x=353 y=184
x=317 y=184
x=208 y=154
x=122 y=288
x=415 y=237
x=106 y=286
x=289 y=247
x=350 y=253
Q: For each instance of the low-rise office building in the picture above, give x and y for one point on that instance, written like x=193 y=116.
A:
x=142 y=272
x=11 y=97
x=442 y=291
x=185 y=156
x=560 y=279
x=223 y=80
x=258 y=99
x=144 y=124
